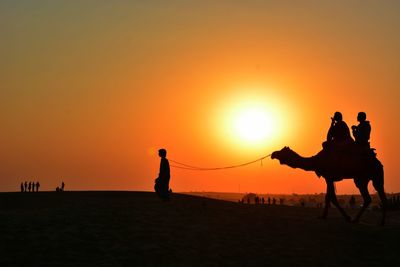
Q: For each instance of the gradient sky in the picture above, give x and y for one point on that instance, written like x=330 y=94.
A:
x=89 y=90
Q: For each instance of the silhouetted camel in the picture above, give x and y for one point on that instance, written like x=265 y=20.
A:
x=361 y=169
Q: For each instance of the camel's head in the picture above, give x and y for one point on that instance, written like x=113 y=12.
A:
x=285 y=155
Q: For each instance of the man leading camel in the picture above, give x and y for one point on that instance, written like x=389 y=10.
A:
x=162 y=182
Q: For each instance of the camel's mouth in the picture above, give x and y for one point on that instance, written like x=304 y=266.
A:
x=274 y=155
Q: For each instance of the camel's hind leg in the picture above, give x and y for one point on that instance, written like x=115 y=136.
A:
x=378 y=185
x=363 y=187
x=331 y=197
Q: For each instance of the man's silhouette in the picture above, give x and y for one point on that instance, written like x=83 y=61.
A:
x=362 y=131
x=62 y=186
x=25 y=186
x=338 y=133
x=37 y=186
x=162 y=182
x=22 y=187
x=33 y=186
x=29 y=186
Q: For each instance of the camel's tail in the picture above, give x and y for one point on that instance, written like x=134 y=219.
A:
x=378 y=179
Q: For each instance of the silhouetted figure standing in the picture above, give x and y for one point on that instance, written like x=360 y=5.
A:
x=339 y=131
x=269 y=201
x=162 y=182
x=273 y=201
x=33 y=186
x=22 y=187
x=29 y=186
x=62 y=186
x=362 y=131
x=37 y=186
x=25 y=186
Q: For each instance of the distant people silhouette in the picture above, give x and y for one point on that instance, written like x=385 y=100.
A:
x=33 y=186
x=62 y=186
x=37 y=186
x=269 y=201
x=338 y=132
x=25 y=186
x=22 y=187
x=162 y=181
x=29 y=186
x=362 y=131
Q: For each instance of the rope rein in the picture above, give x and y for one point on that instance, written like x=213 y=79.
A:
x=185 y=166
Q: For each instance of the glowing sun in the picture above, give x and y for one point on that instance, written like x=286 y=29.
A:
x=253 y=120
x=253 y=124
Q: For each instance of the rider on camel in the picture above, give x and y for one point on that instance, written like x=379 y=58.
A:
x=338 y=134
x=362 y=131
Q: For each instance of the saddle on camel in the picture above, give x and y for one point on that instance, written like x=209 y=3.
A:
x=340 y=146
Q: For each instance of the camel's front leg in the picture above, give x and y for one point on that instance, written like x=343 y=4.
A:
x=333 y=199
x=367 y=199
x=327 y=202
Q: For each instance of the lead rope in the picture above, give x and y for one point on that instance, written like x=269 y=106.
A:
x=185 y=166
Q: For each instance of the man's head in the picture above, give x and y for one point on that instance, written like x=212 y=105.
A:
x=338 y=116
x=361 y=116
x=162 y=152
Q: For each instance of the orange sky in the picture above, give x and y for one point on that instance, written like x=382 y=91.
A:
x=89 y=91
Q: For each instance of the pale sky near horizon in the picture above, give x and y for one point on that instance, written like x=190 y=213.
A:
x=90 y=90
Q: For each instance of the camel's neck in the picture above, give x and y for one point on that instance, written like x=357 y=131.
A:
x=298 y=161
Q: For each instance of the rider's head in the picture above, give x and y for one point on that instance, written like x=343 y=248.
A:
x=338 y=116
x=162 y=152
x=361 y=116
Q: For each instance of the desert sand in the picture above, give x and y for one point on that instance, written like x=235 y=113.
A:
x=138 y=229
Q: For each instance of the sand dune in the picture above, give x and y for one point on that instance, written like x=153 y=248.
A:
x=137 y=229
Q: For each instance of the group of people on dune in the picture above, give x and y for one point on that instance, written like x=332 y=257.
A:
x=30 y=187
